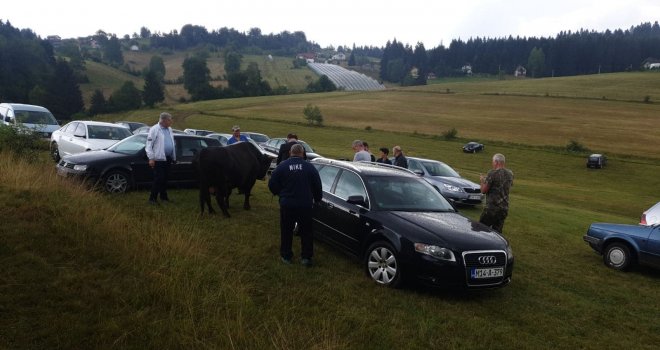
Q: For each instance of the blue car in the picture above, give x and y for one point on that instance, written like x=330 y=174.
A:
x=625 y=245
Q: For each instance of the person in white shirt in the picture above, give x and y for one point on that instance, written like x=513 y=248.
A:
x=161 y=152
x=360 y=154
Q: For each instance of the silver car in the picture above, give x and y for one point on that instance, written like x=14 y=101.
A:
x=447 y=180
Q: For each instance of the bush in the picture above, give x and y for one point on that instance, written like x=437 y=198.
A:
x=313 y=114
x=450 y=134
x=21 y=141
x=647 y=99
x=576 y=147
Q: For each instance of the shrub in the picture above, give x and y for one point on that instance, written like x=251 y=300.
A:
x=21 y=141
x=368 y=128
x=647 y=99
x=313 y=114
x=576 y=147
x=450 y=134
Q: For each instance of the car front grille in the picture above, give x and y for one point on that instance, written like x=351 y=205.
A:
x=64 y=164
x=491 y=259
x=471 y=190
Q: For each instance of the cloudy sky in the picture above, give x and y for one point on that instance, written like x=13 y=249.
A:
x=337 y=22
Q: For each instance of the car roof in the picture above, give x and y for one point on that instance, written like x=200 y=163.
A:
x=24 y=107
x=426 y=160
x=92 y=122
x=367 y=168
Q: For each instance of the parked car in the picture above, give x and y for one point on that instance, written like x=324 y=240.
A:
x=259 y=138
x=84 y=135
x=198 y=132
x=36 y=118
x=597 y=161
x=223 y=138
x=273 y=145
x=473 y=147
x=125 y=164
x=132 y=126
x=449 y=182
x=625 y=245
x=145 y=130
x=402 y=228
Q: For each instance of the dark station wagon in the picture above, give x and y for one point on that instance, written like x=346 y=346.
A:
x=402 y=228
x=125 y=165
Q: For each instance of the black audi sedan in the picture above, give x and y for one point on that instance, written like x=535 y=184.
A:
x=125 y=165
x=473 y=147
x=402 y=229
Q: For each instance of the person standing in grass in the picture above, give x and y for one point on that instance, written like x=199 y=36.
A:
x=366 y=148
x=399 y=159
x=496 y=185
x=236 y=136
x=360 y=154
x=298 y=184
x=383 y=158
x=161 y=152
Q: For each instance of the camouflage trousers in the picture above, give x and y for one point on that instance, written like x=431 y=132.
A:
x=493 y=218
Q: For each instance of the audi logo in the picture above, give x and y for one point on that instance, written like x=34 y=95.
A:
x=487 y=260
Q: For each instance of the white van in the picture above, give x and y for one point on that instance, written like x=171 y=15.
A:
x=33 y=117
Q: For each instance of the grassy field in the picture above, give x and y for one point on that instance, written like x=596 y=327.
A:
x=80 y=269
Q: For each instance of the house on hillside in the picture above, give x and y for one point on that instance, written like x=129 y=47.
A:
x=339 y=57
x=467 y=69
x=135 y=48
x=520 y=72
x=54 y=40
x=309 y=57
x=651 y=63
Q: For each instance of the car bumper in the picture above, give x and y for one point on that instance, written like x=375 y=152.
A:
x=69 y=173
x=595 y=243
x=437 y=273
x=464 y=198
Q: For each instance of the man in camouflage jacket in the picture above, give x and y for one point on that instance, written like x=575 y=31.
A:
x=496 y=185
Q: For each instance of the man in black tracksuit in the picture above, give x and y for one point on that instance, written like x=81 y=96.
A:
x=298 y=185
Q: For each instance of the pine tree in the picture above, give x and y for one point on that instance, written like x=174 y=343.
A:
x=153 y=89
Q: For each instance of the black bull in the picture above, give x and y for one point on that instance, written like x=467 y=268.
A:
x=220 y=169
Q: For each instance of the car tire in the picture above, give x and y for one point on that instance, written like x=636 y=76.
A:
x=382 y=265
x=116 y=181
x=55 y=152
x=617 y=256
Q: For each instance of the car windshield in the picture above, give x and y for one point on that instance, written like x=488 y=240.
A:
x=306 y=147
x=35 y=117
x=105 y=132
x=259 y=137
x=440 y=169
x=405 y=194
x=130 y=145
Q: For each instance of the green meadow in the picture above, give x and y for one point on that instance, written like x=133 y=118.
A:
x=82 y=269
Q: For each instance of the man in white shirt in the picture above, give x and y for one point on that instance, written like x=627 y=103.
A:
x=161 y=152
x=360 y=154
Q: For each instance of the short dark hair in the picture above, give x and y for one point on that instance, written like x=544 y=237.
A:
x=292 y=136
x=384 y=150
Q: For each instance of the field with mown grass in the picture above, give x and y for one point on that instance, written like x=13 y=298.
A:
x=80 y=269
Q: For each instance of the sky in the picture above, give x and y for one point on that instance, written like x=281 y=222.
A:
x=337 y=22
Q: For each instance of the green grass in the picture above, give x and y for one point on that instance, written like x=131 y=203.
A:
x=80 y=269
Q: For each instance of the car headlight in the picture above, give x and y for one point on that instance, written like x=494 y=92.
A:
x=80 y=167
x=509 y=252
x=435 y=251
x=452 y=188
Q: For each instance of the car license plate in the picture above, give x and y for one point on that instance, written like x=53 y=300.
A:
x=475 y=196
x=487 y=273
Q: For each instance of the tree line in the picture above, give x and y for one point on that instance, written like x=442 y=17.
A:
x=568 y=53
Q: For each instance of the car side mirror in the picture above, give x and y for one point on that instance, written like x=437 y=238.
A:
x=419 y=172
x=357 y=200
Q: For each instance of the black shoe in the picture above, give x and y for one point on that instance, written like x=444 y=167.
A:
x=286 y=260
x=169 y=201
x=306 y=262
x=153 y=202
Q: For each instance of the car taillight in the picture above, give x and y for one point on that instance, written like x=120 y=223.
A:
x=642 y=221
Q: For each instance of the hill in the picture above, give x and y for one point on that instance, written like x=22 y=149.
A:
x=279 y=72
x=511 y=111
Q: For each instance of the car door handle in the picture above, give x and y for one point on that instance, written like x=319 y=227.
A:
x=330 y=205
